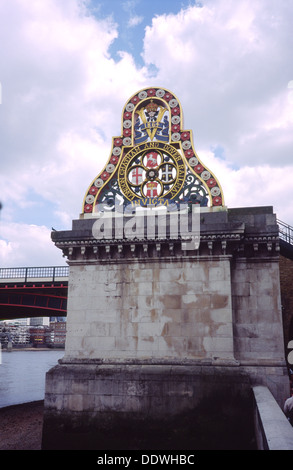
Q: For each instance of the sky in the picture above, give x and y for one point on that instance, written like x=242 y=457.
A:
x=68 y=67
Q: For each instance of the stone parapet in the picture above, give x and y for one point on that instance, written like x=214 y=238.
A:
x=273 y=430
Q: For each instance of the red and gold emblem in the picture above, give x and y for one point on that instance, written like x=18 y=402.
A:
x=153 y=157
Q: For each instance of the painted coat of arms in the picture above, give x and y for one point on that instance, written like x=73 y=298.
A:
x=153 y=159
x=151 y=123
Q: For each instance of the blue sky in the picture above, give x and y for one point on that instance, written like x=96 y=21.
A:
x=68 y=67
x=131 y=17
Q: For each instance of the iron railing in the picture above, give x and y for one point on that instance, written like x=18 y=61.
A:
x=24 y=274
x=285 y=232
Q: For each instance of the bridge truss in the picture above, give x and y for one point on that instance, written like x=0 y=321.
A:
x=33 y=292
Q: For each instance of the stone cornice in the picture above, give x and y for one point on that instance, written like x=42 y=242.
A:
x=210 y=244
x=216 y=236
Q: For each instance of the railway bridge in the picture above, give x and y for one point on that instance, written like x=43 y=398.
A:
x=33 y=292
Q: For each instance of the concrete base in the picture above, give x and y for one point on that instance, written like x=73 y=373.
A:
x=147 y=406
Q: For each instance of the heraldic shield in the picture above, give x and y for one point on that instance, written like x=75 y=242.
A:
x=153 y=162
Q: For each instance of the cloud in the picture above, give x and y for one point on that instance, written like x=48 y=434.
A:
x=61 y=99
x=63 y=94
x=249 y=186
x=230 y=62
x=28 y=245
x=229 y=65
x=134 y=21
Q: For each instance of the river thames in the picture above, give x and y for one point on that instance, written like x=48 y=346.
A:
x=22 y=375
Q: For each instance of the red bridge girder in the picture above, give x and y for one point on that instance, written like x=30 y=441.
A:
x=30 y=300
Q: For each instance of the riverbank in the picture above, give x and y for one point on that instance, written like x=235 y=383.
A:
x=21 y=426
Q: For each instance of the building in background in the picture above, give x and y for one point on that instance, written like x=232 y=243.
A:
x=39 y=321
x=33 y=332
x=58 y=333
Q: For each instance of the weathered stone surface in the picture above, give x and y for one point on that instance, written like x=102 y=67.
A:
x=104 y=404
x=153 y=327
x=122 y=311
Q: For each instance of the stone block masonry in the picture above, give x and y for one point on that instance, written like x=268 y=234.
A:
x=150 y=310
x=286 y=276
x=131 y=407
x=153 y=329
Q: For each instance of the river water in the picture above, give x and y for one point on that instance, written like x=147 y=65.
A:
x=22 y=375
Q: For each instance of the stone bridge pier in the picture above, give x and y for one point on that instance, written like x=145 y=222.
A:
x=174 y=310
x=157 y=333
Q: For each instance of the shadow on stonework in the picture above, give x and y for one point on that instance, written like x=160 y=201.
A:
x=224 y=423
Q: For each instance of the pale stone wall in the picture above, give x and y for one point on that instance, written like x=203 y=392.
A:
x=286 y=276
x=177 y=309
x=154 y=329
x=257 y=310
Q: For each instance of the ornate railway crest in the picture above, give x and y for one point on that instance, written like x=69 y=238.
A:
x=151 y=170
x=153 y=160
